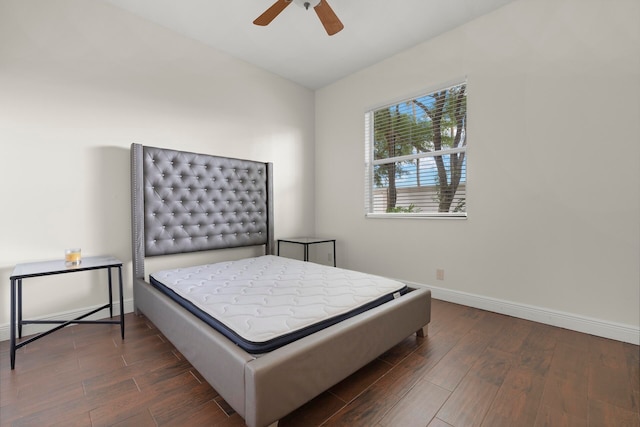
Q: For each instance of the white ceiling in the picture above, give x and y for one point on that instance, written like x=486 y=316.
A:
x=296 y=46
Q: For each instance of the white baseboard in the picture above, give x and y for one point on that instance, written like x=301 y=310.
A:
x=574 y=322
x=5 y=331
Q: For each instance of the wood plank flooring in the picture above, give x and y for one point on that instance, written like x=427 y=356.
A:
x=475 y=368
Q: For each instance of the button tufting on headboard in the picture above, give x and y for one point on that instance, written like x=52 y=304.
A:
x=182 y=195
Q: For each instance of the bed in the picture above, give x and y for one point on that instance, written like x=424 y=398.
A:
x=187 y=202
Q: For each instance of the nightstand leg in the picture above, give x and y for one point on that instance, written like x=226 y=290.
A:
x=110 y=293
x=334 y=254
x=13 y=323
x=19 y=308
x=121 y=302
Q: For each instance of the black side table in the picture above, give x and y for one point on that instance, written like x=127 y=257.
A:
x=47 y=268
x=306 y=242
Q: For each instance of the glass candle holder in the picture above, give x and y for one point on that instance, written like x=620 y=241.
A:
x=72 y=256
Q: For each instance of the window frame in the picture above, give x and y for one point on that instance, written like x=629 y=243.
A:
x=370 y=162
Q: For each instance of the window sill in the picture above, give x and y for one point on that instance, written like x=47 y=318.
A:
x=417 y=215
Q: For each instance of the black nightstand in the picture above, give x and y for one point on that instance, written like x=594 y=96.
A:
x=48 y=268
x=306 y=242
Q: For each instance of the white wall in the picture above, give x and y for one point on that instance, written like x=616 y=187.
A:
x=79 y=82
x=553 y=165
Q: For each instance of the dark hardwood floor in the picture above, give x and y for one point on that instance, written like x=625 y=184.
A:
x=475 y=368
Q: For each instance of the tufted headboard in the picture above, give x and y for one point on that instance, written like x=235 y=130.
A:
x=186 y=202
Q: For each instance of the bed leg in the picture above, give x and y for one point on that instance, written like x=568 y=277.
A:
x=423 y=332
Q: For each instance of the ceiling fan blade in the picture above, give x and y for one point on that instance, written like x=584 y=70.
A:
x=328 y=18
x=271 y=13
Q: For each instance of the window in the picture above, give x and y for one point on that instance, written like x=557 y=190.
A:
x=416 y=162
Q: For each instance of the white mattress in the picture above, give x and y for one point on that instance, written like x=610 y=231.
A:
x=265 y=298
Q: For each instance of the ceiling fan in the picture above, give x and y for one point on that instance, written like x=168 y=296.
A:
x=327 y=16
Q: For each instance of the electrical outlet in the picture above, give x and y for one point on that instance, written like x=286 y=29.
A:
x=440 y=274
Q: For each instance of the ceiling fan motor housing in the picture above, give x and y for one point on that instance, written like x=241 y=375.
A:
x=307 y=3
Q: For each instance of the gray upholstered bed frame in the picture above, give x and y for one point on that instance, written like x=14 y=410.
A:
x=185 y=202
